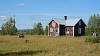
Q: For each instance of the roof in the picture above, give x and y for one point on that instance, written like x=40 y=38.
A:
x=71 y=22
x=68 y=22
x=60 y=21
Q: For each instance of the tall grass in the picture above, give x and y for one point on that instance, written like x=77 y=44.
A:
x=92 y=39
x=47 y=46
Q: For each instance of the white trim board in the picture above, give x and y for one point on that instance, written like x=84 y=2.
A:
x=73 y=30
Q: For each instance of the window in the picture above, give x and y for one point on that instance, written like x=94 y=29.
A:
x=79 y=22
x=53 y=24
x=56 y=29
x=67 y=30
x=79 y=30
x=51 y=29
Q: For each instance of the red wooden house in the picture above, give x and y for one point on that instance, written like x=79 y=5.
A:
x=68 y=27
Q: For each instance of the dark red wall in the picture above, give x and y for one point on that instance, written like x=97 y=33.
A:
x=70 y=31
x=50 y=26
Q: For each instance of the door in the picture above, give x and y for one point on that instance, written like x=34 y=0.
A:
x=56 y=32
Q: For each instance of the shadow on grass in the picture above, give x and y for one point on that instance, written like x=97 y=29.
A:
x=4 y=41
x=22 y=53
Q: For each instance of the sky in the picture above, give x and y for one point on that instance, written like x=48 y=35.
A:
x=30 y=12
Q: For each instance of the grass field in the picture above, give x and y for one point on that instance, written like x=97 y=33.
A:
x=47 y=46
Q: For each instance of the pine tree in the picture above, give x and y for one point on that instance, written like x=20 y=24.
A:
x=98 y=23
x=14 y=29
x=3 y=30
x=34 y=31
x=38 y=29
x=46 y=30
x=93 y=24
x=90 y=23
x=9 y=27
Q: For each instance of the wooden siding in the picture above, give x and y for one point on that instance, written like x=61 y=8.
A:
x=62 y=30
x=70 y=28
x=50 y=26
x=82 y=26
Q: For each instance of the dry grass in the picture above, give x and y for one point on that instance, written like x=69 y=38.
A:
x=47 y=46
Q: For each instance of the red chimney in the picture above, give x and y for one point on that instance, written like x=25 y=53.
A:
x=65 y=17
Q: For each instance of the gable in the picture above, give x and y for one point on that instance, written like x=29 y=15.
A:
x=82 y=22
x=53 y=24
x=58 y=21
x=52 y=21
x=73 y=22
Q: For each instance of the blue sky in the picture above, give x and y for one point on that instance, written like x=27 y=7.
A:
x=29 y=12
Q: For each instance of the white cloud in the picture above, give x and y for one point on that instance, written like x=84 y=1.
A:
x=20 y=4
x=3 y=18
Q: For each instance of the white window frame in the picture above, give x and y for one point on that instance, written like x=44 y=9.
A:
x=67 y=30
x=79 y=30
x=56 y=30
x=73 y=31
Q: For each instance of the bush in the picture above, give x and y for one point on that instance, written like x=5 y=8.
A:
x=92 y=39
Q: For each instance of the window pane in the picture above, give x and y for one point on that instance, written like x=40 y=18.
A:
x=56 y=30
x=67 y=29
x=80 y=23
x=51 y=29
x=79 y=30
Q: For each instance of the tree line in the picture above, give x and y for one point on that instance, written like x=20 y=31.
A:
x=38 y=29
x=93 y=25
x=9 y=28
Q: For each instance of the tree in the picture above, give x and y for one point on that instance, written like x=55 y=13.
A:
x=3 y=30
x=34 y=31
x=13 y=29
x=46 y=30
x=38 y=29
x=98 y=23
x=9 y=27
x=93 y=24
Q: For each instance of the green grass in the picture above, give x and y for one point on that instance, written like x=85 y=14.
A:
x=47 y=46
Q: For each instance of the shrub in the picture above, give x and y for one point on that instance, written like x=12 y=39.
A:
x=26 y=41
x=92 y=39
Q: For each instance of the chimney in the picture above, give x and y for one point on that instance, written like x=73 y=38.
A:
x=65 y=17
